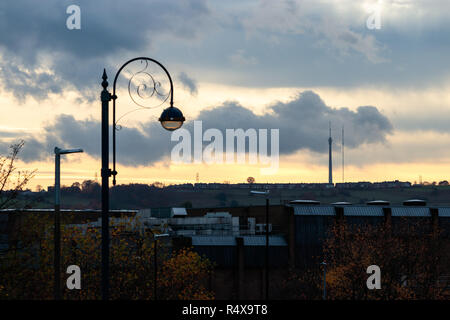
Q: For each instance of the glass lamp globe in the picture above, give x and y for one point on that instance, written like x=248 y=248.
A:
x=171 y=118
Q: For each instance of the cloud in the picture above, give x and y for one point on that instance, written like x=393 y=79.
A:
x=327 y=21
x=188 y=83
x=303 y=124
x=135 y=146
x=297 y=43
x=40 y=56
x=239 y=58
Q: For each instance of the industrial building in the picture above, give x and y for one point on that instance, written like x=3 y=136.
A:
x=234 y=238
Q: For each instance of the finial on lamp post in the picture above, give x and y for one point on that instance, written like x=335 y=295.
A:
x=104 y=77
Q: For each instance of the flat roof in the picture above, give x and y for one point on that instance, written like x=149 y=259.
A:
x=368 y=210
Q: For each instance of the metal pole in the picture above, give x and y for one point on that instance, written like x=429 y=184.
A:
x=267 y=248
x=57 y=230
x=106 y=172
x=156 y=271
x=324 y=280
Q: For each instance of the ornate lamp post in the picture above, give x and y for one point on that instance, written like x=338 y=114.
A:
x=171 y=119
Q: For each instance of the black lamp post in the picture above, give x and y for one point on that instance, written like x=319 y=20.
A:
x=266 y=194
x=171 y=119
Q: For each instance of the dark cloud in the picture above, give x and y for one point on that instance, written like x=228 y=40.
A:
x=303 y=124
x=41 y=56
x=135 y=146
x=188 y=83
x=35 y=43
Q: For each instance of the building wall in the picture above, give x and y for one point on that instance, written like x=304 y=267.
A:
x=278 y=215
x=225 y=284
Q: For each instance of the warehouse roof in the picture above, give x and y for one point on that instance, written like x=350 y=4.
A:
x=411 y=212
x=368 y=210
x=313 y=210
x=259 y=240
x=363 y=211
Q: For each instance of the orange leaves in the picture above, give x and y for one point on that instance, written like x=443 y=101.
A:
x=402 y=251
x=26 y=272
x=184 y=276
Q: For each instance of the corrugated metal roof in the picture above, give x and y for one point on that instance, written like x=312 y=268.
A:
x=213 y=241
x=179 y=211
x=261 y=241
x=444 y=212
x=231 y=241
x=313 y=210
x=363 y=211
x=410 y=212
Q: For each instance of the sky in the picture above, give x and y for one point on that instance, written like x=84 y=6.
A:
x=377 y=68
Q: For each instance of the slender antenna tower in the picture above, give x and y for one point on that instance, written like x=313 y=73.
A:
x=197 y=177
x=343 y=179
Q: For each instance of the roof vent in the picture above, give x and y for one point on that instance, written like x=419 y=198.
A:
x=341 y=203
x=305 y=202
x=378 y=203
x=415 y=202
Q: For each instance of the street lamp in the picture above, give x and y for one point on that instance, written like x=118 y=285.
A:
x=57 y=227
x=171 y=119
x=266 y=194
x=155 y=286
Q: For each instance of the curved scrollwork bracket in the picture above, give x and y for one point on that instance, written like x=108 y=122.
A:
x=146 y=87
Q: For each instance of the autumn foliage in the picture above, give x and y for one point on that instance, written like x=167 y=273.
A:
x=26 y=270
x=414 y=260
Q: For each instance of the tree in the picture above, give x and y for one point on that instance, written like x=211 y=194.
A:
x=411 y=259
x=303 y=284
x=75 y=187
x=91 y=187
x=184 y=275
x=26 y=269
x=158 y=184
x=12 y=181
x=251 y=180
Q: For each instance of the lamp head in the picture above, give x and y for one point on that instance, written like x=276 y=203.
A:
x=65 y=151
x=171 y=118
